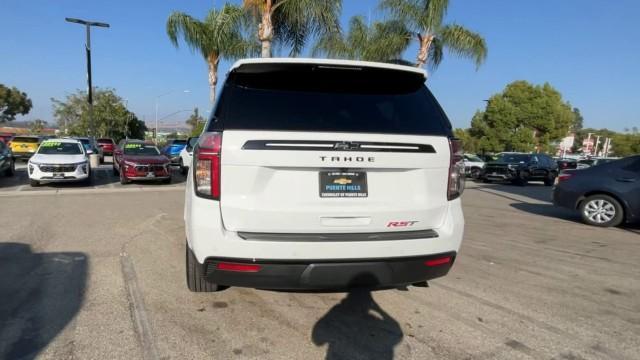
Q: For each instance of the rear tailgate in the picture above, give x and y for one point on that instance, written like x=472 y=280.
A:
x=318 y=148
x=269 y=188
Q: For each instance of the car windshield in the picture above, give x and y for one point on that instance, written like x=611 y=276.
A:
x=193 y=141
x=473 y=158
x=59 y=148
x=140 y=149
x=29 y=140
x=513 y=158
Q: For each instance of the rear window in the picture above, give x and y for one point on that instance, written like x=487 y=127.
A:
x=29 y=140
x=179 y=142
x=105 y=141
x=329 y=99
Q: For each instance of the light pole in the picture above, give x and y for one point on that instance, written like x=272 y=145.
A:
x=157 y=98
x=87 y=45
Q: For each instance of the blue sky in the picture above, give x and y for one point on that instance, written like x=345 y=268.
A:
x=587 y=49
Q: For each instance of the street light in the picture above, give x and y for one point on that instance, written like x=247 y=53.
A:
x=158 y=97
x=87 y=45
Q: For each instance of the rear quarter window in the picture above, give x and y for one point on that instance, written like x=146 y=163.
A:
x=27 y=140
x=314 y=99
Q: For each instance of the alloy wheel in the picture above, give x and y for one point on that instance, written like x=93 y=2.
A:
x=599 y=211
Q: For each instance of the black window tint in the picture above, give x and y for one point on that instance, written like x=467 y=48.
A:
x=315 y=99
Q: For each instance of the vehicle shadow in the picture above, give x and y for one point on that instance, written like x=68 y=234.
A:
x=41 y=293
x=548 y=210
x=533 y=190
x=358 y=328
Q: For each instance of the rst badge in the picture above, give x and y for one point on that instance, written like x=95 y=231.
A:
x=401 y=223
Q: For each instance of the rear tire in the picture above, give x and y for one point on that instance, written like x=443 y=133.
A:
x=522 y=179
x=195 y=278
x=166 y=181
x=183 y=170
x=475 y=173
x=550 y=179
x=123 y=179
x=601 y=210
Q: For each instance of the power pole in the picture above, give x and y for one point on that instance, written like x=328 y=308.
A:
x=88 y=25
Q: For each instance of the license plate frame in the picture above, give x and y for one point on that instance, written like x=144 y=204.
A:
x=343 y=184
x=57 y=175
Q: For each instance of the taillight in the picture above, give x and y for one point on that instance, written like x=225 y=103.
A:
x=564 y=177
x=436 y=262
x=238 y=267
x=207 y=165
x=455 y=186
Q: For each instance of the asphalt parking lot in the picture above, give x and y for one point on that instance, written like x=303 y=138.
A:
x=98 y=273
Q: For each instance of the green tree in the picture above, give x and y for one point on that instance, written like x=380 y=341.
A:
x=383 y=41
x=524 y=117
x=219 y=36
x=578 y=120
x=37 y=126
x=625 y=144
x=195 y=122
x=12 y=103
x=111 y=117
x=470 y=144
x=292 y=22
x=425 y=19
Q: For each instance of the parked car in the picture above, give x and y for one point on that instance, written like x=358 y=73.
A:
x=605 y=195
x=23 y=147
x=564 y=164
x=473 y=166
x=136 y=160
x=351 y=170
x=186 y=155
x=91 y=146
x=520 y=168
x=173 y=148
x=107 y=145
x=7 y=162
x=59 y=160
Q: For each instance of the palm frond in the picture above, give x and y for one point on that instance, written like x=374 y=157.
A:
x=464 y=43
x=191 y=30
x=435 y=54
x=296 y=21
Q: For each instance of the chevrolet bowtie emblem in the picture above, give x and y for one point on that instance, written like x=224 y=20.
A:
x=342 y=181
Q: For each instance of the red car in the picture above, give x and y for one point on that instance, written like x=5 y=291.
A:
x=107 y=146
x=135 y=160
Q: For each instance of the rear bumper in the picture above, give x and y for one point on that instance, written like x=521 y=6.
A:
x=23 y=155
x=565 y=198
x=330 y=275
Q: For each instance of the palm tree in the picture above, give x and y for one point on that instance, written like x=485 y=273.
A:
x=219 y=36
x=383 y=41
x=425 y=19
x=292 y=22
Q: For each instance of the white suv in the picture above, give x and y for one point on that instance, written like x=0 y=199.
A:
x=323 y=174
x=59 y=160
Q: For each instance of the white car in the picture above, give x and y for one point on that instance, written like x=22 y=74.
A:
x=59 y=160
x=323 y=174
x=186 y=155
x=473 y=165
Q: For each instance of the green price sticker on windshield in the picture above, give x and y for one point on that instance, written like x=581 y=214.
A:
x=51 y=144
x=132 y=146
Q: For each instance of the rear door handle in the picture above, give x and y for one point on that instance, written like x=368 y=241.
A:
x=626 y=179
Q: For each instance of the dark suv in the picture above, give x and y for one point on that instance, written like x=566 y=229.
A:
x=520 y=168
